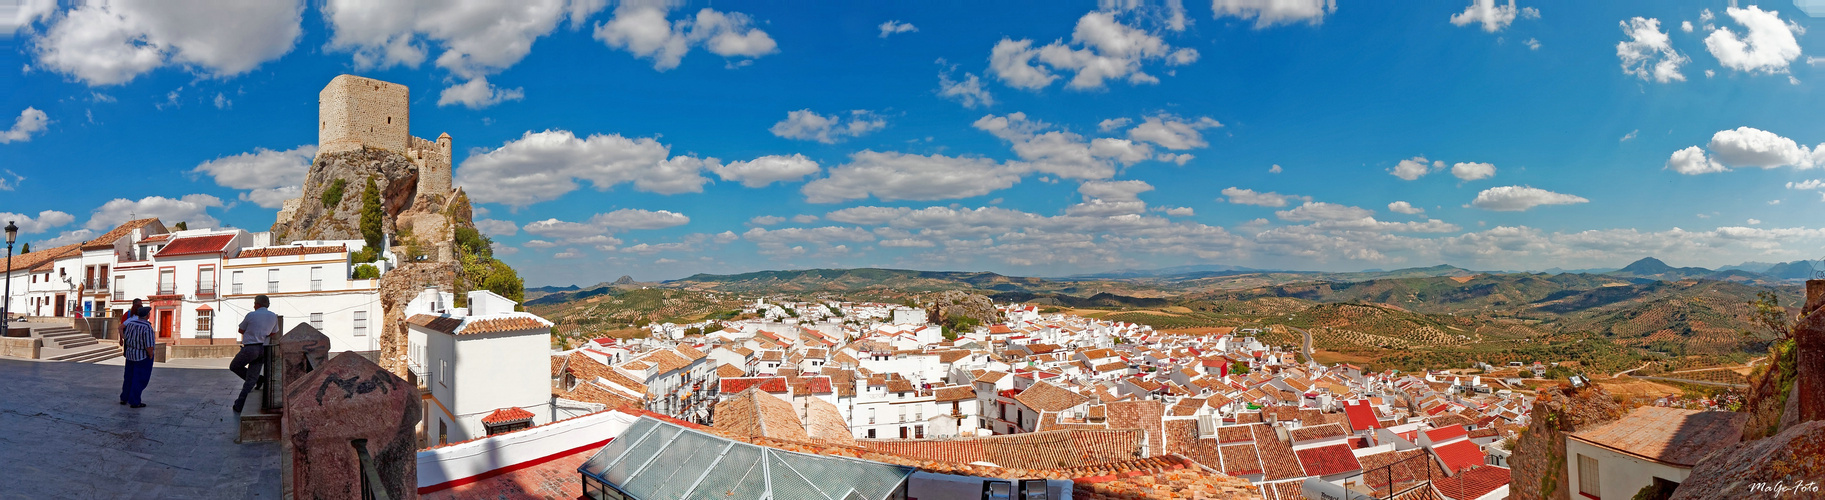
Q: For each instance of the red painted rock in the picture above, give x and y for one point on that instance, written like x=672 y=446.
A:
x=351 y=398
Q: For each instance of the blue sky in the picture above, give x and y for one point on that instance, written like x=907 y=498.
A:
x=660 y=140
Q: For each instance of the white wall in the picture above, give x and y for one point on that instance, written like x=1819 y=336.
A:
x=1619 y=475
x=442 y=465
x=498 y=370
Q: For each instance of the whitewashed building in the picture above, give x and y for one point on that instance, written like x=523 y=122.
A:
x=483 y=365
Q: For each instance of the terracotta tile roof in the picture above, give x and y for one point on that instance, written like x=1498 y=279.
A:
x=585 y=368
x=667 y=360
x=1106 y=368
x=1187 y=407
x=1361 y=415
x=954 y=393
x=1312 y=432
x=1044 y=396
x=689 y=353
x=513 y=323
x=1327 y=460
x=506 y=415
x=810 y=385
x=27 y=261
x=740 y=384
x=446 y=324
x=1182 y=436
x=196 y=245
x=1473 y=483
x=107 y=239
x=1403 y=468
x=1144 y=415
x=1249 y=417
x=1450 y=419
x=290 y=250
x=729 y=371
x=1459 y=455
x=1033 y=450
x=1484 y=433
x=756 y=413
x=824 y=421
x=1668 y=435
x=1240 y=460
x=1277 y=458
x=841 y=380
x=1235 y=434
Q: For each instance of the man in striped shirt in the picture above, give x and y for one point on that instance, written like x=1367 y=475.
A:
x=136 y=345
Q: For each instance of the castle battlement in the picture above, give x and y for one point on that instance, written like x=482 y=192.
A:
x=355 y=112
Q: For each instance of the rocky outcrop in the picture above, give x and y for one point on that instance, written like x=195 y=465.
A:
x=394 y=175
x=397 y=288
x=1539 y=458
x=951 y=307
x=1789 y=465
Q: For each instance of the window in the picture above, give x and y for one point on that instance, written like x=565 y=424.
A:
x=443 y=432
x=871 y=434
x=205 y=321
x=361 y=323
x=205 y=279
x=1588 y=482
x=497 y=429
x=871 y=415
x=234 y=283
x=443 y=372
x=167 y=281
x=317 y=321
x=272 y=281
x=919 y=432
x=317 y=279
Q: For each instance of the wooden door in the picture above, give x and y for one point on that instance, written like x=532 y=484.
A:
x=57 y=308
x=164 y=324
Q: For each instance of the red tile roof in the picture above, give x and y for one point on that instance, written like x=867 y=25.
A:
x=738 y=384
x=196 y=245
x=1277 y=458
x=1446 y=433
x=1312 y=432
x=1032 y=450
x=1459 y=455
x=1362 y=416
x=113 y=235
x=291 y=250
x=1240 y=459
x=1047 y=397
x=27 y=261
x=1473 y=483
x=1327 y=460
x=508 y=414
x=507 y=324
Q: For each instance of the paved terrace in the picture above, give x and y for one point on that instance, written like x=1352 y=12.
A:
x=62 y=435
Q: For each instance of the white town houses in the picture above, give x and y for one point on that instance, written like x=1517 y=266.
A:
x=201 y=282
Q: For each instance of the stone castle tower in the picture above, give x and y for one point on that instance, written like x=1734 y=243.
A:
x=353 y=112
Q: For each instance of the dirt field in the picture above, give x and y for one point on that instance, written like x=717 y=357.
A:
x=1332 y=357
x=1639 y=388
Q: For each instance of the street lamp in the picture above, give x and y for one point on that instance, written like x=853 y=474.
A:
x=6 y=304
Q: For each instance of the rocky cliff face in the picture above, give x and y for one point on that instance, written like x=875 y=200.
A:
x=1539 y=458
x=1795 y=458
x=394 y=175
x=956 y=309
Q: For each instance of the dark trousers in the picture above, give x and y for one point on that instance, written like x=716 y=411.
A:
x=133 y=384
x=250 y=365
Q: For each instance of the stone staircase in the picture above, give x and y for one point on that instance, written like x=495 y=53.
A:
x=67 y=344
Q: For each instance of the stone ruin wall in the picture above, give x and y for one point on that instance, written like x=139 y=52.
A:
x=433 y=159
x=353 y=111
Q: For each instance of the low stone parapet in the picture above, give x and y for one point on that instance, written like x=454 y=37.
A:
x=25 y=348
x=202 y=351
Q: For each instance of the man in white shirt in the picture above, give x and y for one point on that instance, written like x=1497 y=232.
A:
x=250 y=363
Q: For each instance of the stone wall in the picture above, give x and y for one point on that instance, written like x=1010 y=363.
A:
x=397 y=288
x=24 y=348
x=1539 y=459
x=353 y=111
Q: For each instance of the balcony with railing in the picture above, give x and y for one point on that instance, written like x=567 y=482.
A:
x=205 y=290
x=95 y=285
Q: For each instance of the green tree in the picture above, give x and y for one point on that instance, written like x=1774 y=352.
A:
x=373 y=217
x=366 y=272
x=27 y=249
x=181 y=225
x=1770 y=315
x=333 y=195
x=1238 y=369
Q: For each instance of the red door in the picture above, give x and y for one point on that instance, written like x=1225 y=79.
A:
x=164 y=324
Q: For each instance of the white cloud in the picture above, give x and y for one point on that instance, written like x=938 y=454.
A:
x=1473 y=171
x=1532 y=43
x=1108 y=198
x=766 y=220
x=895 y=26
x=494 y=227
x=1062 y=153
x=539 y=244
x=1268 y=13
x=1274 y=169
x=478 y=94
x=641 y=28
x=968 y=91
x=190 y=208
x=1405 y=208
x=1807 y=184
x=270 y=177
x=67 y=237
x=569 y=253
x=787 y=241
x=114 y=42
x=1685 y=26
x=1250 y=197
x=1629 y=136
x=30 y=121
x=900 y=176
x=765 y=170
x=1414 y=168
x=542 y=166
x=1334 y=217
x=634 y=218
x=1648 y=53
x=1180 y=211
x=1172 y=132
x=1111 y=124
x=804 y=218
x=807 y=125
x=1693 y=161
x=1754 y=222
x=477 y=37
x=43 y=222
x=502 y=249
x=1767 y=46
x=1107 y=50
x=1750 y=147
x=1518 y=198
x=1493 y=17
x=1321 y=211
x=222 y=101
x=16 y=16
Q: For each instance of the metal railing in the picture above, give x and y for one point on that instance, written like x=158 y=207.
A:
x=205 y=290
x=371 y=486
